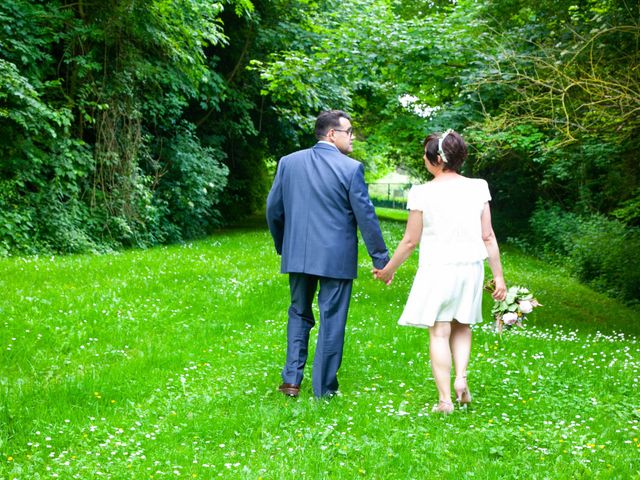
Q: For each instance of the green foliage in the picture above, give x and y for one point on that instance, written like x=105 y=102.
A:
x=22 y=111
x=504 y=160
x=331 y=64
x=629 y=210
x=598 y=250
x=298 y=86
x=90 y=95
x=602 y=253
x=191 y=185
x=565 y=73
x=16 y=222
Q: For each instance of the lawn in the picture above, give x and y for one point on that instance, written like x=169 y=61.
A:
x=164 y=363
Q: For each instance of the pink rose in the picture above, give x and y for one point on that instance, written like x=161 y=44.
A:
x=510 y=318
x=525 y=306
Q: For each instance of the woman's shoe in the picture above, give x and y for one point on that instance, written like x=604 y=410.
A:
x=463 y=395
x=443 y=407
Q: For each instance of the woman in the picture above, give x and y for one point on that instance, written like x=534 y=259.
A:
x=450 y=216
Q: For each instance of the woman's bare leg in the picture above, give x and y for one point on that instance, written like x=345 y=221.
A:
x=460 y=344
x=440 y=353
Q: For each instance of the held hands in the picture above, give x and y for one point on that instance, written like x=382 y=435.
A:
x=383 y=274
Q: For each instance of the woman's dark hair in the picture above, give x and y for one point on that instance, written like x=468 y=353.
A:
x=453 y=146
x=328 y=120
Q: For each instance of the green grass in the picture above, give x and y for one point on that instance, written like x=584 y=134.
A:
x=164 y=363
x=392 y=214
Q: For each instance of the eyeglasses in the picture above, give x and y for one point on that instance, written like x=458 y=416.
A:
x=348 y=131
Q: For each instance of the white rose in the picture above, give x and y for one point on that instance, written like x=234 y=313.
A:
x=510 y=318
x=525 y=306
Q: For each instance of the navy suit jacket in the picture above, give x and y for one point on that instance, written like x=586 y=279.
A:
x=317 y=202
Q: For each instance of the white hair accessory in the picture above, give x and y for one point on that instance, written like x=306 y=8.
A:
x=440 y=140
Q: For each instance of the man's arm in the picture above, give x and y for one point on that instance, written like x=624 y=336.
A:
x=367 y=220
x=275 y=211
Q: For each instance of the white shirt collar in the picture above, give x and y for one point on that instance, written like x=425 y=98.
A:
x=328 y=143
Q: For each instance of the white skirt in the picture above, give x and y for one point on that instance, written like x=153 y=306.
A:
x=442 y=293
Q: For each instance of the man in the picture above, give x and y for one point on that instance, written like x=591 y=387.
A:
x=317 y=201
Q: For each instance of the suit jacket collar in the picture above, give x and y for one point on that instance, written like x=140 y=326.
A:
x=326 y=146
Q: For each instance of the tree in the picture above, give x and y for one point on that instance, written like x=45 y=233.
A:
x=567 y=96
x=94 y=99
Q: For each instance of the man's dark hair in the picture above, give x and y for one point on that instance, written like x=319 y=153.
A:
x=328 y=120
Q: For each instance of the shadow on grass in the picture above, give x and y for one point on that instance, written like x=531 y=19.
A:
x=392 y=214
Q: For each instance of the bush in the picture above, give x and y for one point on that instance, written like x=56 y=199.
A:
x=554 y=229
x=600 y=251
x=16 y=222
x=64 y=227
x=604 y=255
x=191 y=187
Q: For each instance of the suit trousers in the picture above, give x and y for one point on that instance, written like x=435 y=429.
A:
x=333 y=303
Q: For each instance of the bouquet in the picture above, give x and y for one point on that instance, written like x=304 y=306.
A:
x=514 y=309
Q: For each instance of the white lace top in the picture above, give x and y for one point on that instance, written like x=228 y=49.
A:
x=451 y=227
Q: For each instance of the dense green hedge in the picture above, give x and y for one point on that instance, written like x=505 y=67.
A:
x=600 y=251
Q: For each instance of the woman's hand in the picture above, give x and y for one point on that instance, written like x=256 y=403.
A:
x=405 y=247
x=500 y=291
x=384 y=274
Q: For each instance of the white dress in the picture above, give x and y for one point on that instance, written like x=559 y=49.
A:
x=448 y=283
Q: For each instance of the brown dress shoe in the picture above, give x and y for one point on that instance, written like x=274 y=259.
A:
x=289 y=389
